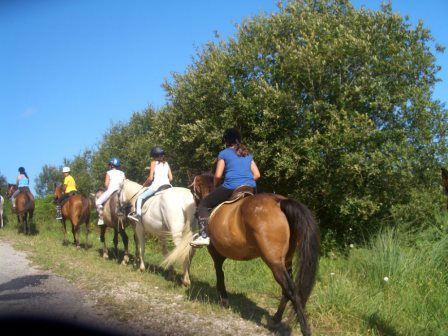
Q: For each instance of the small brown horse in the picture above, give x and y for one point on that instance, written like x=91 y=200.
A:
x=269 y=226
x=77 y=209
x=24 y=207
x=113 y=220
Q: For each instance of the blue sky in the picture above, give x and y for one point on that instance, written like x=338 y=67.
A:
x=70 y=69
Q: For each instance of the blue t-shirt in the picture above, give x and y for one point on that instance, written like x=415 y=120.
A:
x=23 y=181
x=237 y=170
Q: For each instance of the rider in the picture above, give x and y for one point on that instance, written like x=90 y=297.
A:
x=68 y=189
x=23 y=184
x=238 y=168
x=159 y=175
x=113 y=181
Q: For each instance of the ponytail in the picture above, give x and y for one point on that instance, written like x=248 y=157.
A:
x=241 y=150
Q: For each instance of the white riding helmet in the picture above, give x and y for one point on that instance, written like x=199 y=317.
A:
x=66 y=170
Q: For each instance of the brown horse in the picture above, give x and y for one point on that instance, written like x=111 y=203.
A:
x=269 y=226
x=24 y=207
x=115 y=221
x=77 y=209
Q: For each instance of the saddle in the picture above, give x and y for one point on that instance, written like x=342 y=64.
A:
x=238 y=194
x=65 y=199
x=158 y=191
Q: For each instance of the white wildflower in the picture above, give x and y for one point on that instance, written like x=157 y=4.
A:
x=386 y=279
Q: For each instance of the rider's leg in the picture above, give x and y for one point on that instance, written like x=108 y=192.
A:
x=99 y=204
x=137 y=215
x=216 y=197
x=13 y=198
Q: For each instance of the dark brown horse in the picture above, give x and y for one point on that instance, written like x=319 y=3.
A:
x=24 y=207
x=77 y=209
x=269 y=226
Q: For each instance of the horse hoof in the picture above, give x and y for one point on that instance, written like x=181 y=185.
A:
x=142 y=269
x=78 y=247
x=186 y=284
x=272 y=323
x=105 y=256
x=225 y=303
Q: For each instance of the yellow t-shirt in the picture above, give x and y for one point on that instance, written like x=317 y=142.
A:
x=70 y=184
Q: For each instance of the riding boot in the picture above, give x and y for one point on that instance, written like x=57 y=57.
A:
x=202 y=238
x=58 y=212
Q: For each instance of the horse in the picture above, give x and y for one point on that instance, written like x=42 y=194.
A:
x=114 y=220
x=24 y=207
x=77 y=209
x=269 y=226
x=167 y=214
x=1 y=211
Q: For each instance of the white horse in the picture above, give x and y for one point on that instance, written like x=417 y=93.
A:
x=167 y=214
x=1 y=210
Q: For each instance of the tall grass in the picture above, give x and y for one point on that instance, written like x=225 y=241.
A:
x=396 y=284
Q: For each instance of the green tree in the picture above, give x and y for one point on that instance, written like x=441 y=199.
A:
x=47 y=179
x=80 y=169
x=336 y=104
x=131 y=142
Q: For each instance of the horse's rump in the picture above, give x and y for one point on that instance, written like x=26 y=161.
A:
x=239 y=230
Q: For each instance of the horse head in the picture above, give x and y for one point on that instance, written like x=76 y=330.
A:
x=11 y=189
x=57 y=192
x=202 y=186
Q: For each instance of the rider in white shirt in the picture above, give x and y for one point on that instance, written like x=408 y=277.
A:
x=159 y=175
x=114 y=179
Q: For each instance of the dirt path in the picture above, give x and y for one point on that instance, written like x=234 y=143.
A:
x=26 y=290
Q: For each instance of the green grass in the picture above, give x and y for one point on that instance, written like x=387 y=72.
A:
x=351 y=296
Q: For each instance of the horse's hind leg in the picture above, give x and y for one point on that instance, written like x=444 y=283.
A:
x=64 y=229
x=282 y=276
x=283 y=301
x=125 y=239
x=220 y=284
x=103 y=240
x=115 y=240
x=140 y=235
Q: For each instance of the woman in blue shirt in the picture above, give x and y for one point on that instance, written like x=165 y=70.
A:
x=238 y=168
x=23 y=184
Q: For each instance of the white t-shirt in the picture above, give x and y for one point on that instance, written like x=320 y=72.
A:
x=116 y=178
x=160 y=174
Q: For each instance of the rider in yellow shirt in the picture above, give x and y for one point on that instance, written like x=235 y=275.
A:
x=69 y=189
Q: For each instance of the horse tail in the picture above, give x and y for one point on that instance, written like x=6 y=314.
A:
x=183 y=249
x=85 y=212
x=304 y=230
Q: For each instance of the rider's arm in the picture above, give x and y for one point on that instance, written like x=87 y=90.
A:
x=219 y=172
x=151 y=174
x=254 y=170
x=170 y=175
x=106 y=181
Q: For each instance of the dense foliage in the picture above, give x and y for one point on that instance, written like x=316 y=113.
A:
x=335 y=104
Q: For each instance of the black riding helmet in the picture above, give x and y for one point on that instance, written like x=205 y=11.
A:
x=231 y=136
x=157 y=151
x=21 y=170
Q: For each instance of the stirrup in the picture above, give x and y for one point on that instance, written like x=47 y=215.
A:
x=135 y=217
